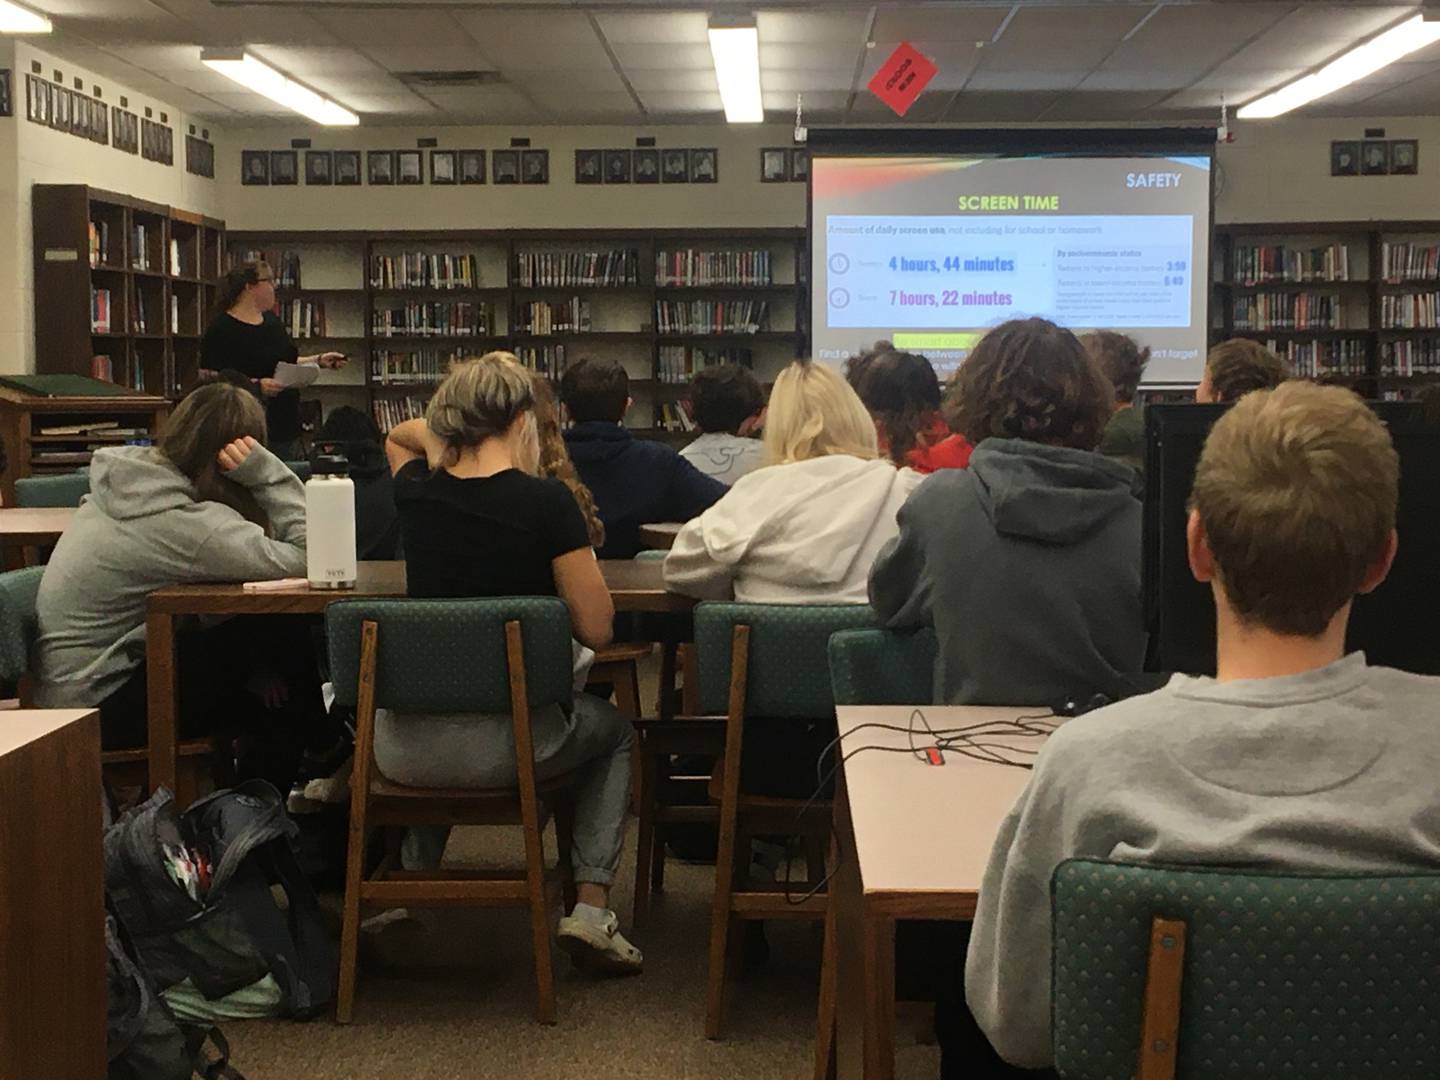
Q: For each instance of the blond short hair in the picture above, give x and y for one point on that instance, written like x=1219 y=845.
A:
x=814 y=412
x=1297 y=489
x=479 y=399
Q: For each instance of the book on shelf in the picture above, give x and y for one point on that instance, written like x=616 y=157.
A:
x=174 y=314
x=303 y=318
x=1405 y=358
x=672 y=416
x=439 y=318
x=61 y=457
x=689 y=268
x=422 y=270
x=711 y=316
x=101 y=368
x=1317 y=359
x=1289 y=311
x=1261 y=263
x=139 y=316
x=552 y=269
x=1409 y=311
x=140 y=247
x=174 y=257
x=399 y=367
x=541 y=317
x=93 y=428
x=679 y=363
x=548 y=360
x=392 y=411
x=101 y=311
x=99 y=243
x=1409 y=262
x=285 y=265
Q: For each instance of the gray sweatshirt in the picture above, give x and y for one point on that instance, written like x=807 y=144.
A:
x=1027 y=564
x=1331 y=770
x=140 y=529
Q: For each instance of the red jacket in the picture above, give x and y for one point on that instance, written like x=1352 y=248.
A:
x=935 y=448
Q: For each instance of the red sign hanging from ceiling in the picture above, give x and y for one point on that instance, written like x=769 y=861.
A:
x=901 y=78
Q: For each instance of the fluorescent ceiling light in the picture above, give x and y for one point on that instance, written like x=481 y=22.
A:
x=1399 y=41
x=256 y=75
x=15 y=19
x=735 y=47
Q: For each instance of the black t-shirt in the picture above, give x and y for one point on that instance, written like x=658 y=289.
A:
x=484 y=536
x=254 y=351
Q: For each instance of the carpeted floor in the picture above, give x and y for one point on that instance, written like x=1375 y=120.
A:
x=456 y=1001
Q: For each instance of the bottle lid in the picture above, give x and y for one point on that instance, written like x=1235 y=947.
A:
x=330 y=465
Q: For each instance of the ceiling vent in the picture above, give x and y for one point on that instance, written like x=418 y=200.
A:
x=450 y=80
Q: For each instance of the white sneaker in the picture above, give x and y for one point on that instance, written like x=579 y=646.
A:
x=599 y=945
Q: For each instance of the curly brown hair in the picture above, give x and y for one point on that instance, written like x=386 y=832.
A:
x=555 y=459
x=1121 y=358
x=1030 y=379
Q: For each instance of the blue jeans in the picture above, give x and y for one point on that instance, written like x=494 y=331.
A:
x=593 y=742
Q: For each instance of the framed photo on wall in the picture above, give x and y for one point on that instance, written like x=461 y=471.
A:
x=774 y=165
x=254 y=167
x=409 y=167
x=347 y=168
x=588 y=166
x=675 y=166
x=284 y=167
x=535 y=166
x=1404 y=157
x=704 y=166
x=1374 y=157
x=507 y=166
x=442 y=167
x=319 y=168
x=380 y=167
x=800 y=164
x=646 y=165
x=60 y=114
x=472 y=166
x=617 y=166
x=7 y=97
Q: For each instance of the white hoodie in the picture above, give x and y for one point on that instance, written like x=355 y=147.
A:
x=802 y=533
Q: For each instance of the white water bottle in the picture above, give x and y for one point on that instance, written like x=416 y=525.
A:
x=330 y=524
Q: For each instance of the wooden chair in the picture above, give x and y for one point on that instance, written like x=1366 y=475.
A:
x=763 y=664
x=872 y=666
x=1208 y=974
x=19 y=590
x=617 y=666
x=507 y=655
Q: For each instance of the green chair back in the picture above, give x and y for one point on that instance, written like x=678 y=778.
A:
x=300 y=469
x=67 y=489
x=650 y=555
x=18 y=591
x=448 y=656
x=1325 y=977
x=883 y=667
x=789 y=672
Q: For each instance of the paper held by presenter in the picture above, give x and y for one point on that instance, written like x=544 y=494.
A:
x=295 y=376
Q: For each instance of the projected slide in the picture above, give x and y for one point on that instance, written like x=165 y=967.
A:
x=929 y=252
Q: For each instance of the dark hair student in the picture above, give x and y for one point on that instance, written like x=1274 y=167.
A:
x=595 y=390
x=902 y=393
x=377 y=523
x=724 y=396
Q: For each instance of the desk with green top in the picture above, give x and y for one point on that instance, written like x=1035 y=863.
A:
x=634 y=586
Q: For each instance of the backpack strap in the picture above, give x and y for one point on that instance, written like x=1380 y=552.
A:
x=216 y=1067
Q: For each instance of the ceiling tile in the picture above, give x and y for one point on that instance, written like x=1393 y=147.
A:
x=544 y=40
x=993 y=108
x=460 y=56
x=691 y=80
x=305 y=62
x=587 y=104
x=669 y=58
x=1054 y=79
x=953 y=23
x=804 y=82
x=824 y=105
x=381 y=26
x=928 y=108
x=568 y=81
x=655 y=28
x=660 y=103
x=1102 y=106
x=1312 y=35
x=832 y=57
x=1053 y=41
x=801 y=27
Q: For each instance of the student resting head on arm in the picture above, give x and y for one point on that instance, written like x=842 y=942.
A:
x=209 y=503
x=805 y=529
x=635 y=481
x=1027 y=563
x=479 y=520
x=1236 y=367
x=902 y=393
x=1123 y=361
x=728 y=404
x=1295 y=757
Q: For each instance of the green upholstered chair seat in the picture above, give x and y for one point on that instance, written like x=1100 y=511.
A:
x=66 y=489
x=18 y=592
x=1316 y=977
x=883 y=667
x=789 y=673
x=448 y=656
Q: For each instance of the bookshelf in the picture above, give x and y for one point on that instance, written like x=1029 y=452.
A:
x=663 y=303
x=123 y=287
x=1356 y=303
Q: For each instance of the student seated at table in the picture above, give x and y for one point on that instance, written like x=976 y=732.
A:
x=478 y=520
x=1027 y=564
x=1236 y=367
x=1296 y=756
x=634 y=481
x=728 y=406
x=207 y=504
x=1123 y=362
x=902 y=393
x=805 y=529
x=377 y=524
x=555 y=456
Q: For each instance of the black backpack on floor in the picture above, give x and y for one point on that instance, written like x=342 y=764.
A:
x=235 y=933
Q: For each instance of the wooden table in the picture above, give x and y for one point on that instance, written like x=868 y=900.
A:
x=634 y=586
x=913 y=842
x=52 y=896
x=31 y=526
x=660 y=535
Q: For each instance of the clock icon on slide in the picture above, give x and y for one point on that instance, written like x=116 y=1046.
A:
x=839 y=264
x=839 y=298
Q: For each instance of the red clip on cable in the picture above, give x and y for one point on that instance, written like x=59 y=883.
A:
x=933 y=755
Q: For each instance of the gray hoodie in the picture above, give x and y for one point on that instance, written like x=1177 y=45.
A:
x=141 y=529
x=1027 y=564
